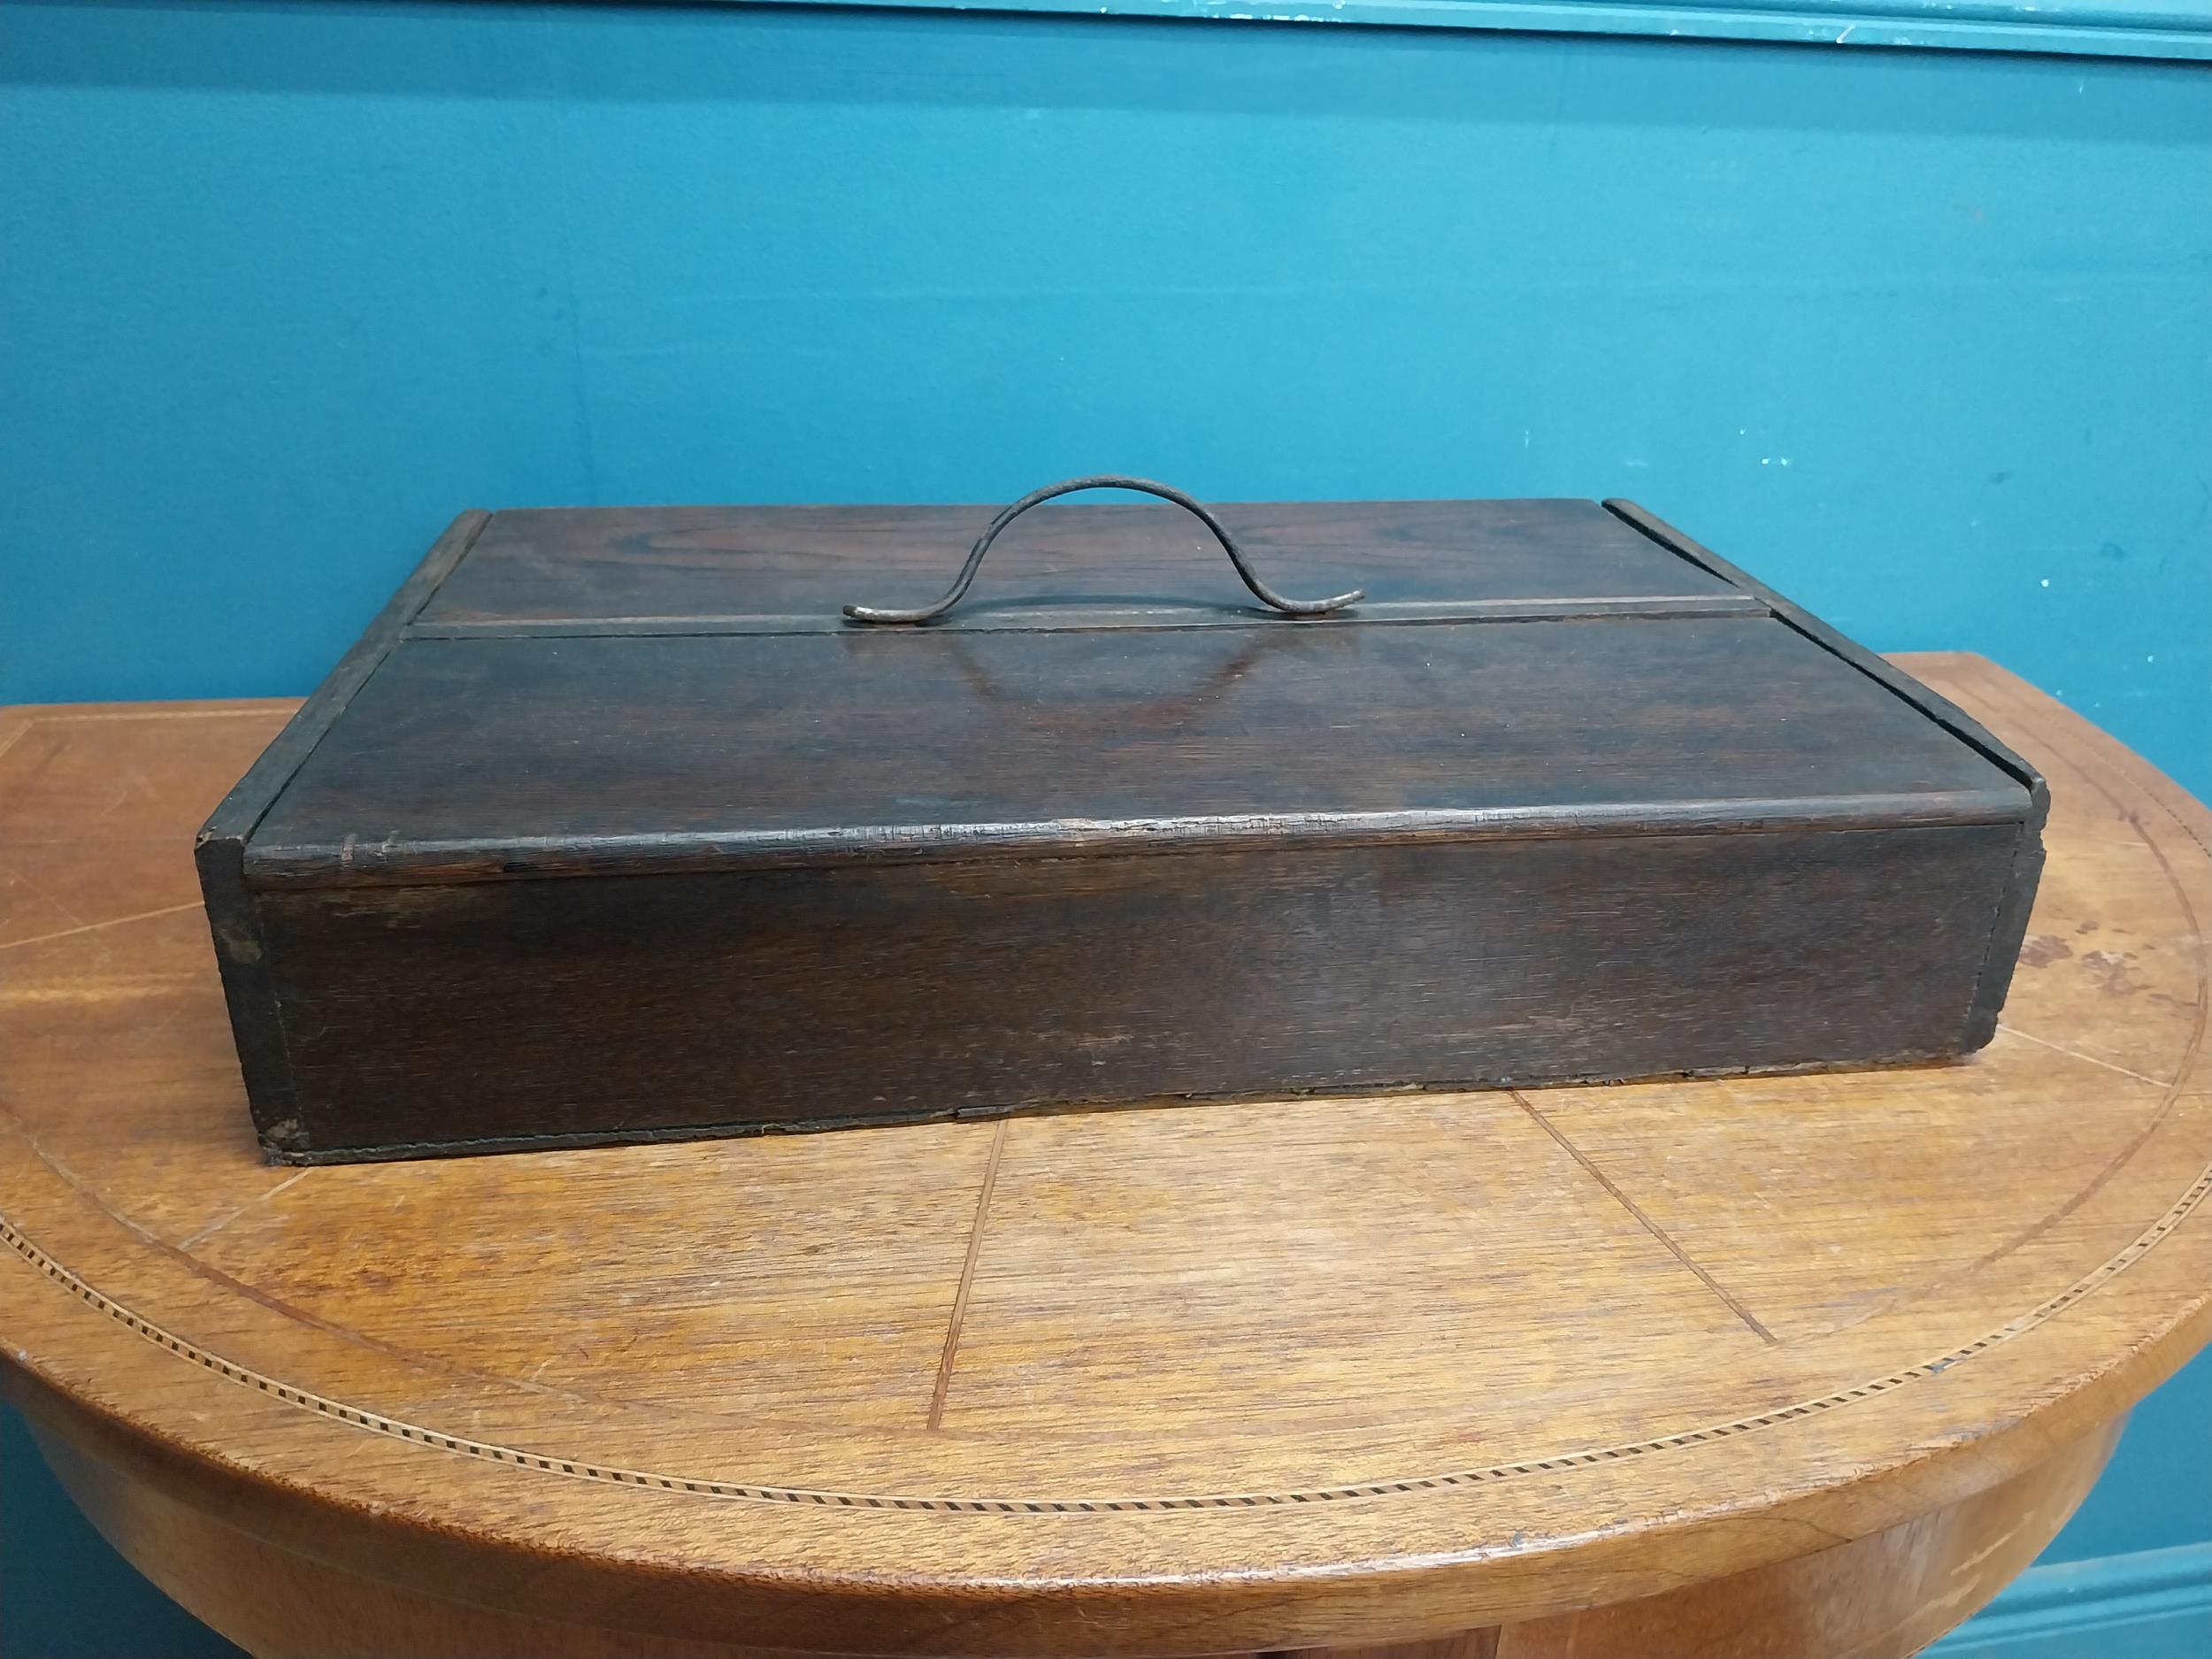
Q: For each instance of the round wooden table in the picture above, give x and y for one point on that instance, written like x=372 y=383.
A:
x=1803 y=1365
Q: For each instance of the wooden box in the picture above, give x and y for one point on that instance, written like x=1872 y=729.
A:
x=612 y=827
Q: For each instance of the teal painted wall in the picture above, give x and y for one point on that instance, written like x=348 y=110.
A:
x=1925 y=339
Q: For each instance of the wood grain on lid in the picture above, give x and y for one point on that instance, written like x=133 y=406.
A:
x=810 y=744
x=630 y=562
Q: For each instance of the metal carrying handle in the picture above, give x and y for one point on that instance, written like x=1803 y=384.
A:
x=1107 y=480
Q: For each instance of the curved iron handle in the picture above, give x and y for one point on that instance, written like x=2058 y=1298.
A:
x=1107 y=480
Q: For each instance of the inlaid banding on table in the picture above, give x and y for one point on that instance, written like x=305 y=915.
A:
x=377 y=1422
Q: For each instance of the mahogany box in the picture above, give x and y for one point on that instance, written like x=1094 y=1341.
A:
x=618 y=824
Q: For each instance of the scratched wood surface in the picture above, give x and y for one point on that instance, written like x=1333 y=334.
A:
x=1770 y=1363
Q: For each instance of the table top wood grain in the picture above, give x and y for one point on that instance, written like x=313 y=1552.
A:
x=1152 y=1381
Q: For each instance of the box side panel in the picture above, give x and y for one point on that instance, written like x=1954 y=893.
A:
x=510 y=1014
x=232 y=912
x=234 y=923
x=2007 y=937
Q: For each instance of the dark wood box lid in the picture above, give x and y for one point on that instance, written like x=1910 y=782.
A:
x=623 y=691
